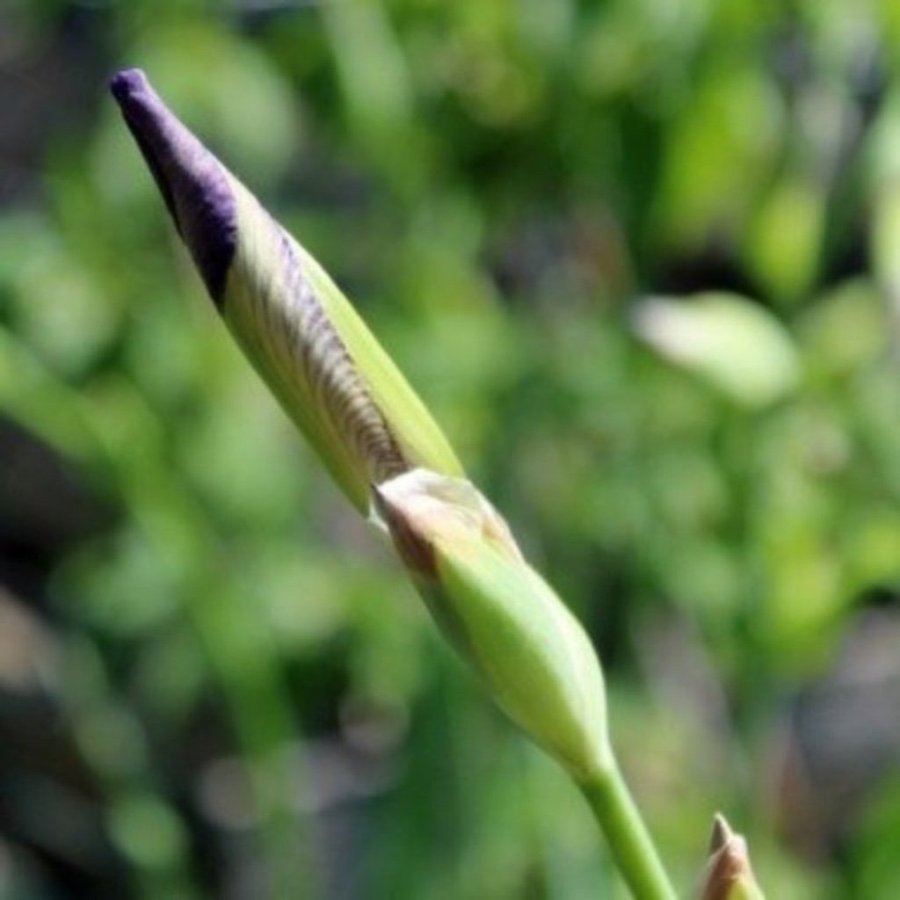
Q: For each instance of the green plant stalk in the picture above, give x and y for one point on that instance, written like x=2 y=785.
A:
x=632 y=847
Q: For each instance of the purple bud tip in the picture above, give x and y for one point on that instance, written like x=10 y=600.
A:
x=192 y=181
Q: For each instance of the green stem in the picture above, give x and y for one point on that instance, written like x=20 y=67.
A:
x=632 y=847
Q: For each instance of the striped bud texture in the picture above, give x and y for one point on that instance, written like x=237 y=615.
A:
x=294 y=324
x=531 y=654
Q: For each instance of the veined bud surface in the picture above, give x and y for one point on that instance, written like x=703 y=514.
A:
x=299 y=331
x=529 y=651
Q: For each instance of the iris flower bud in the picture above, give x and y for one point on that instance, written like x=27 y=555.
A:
x=529 y=651
x=392 y=460
x=299 y=331
x=380 y=443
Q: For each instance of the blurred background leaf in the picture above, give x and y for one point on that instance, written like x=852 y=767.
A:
x=214 y=682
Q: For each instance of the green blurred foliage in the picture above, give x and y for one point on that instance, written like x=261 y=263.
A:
x=523 y=198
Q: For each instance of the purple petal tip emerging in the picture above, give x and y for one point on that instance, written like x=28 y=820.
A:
x=191 y=180
x=126 y=83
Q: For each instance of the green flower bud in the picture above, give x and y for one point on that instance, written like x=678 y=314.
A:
x=299 y=331
x=728 y=873
x=529 y=651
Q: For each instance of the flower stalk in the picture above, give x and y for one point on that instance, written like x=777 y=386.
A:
x=632 y=847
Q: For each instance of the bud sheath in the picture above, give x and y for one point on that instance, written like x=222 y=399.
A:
x=503 y=618
x=728 y=872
